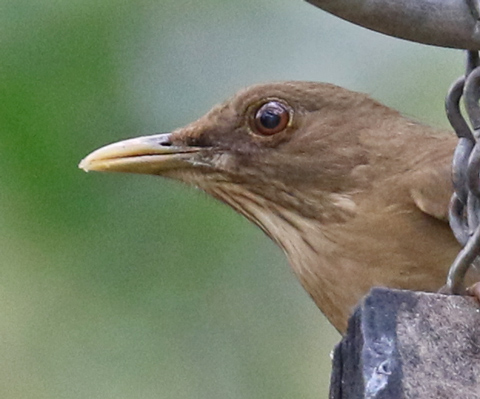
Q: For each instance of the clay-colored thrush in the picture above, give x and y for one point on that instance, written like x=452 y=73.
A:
x=354 y=193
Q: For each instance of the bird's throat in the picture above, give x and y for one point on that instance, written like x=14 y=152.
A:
x=306 y=243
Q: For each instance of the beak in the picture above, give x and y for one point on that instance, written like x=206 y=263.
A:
x=146 y=155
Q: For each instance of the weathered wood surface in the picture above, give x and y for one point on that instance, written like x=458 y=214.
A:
x=405 y=345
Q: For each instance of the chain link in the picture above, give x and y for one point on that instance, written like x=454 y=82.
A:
x=464 y=213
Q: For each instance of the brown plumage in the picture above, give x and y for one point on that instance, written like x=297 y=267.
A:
x=355 y=194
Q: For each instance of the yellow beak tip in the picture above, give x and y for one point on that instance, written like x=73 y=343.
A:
x=84 y=165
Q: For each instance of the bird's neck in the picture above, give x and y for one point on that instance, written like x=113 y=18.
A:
x=319 y=262
x=306 y=242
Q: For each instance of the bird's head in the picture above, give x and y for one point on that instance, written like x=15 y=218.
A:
x=272 y=145
x=332 y=176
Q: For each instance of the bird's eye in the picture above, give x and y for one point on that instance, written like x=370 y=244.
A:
x=271 y=118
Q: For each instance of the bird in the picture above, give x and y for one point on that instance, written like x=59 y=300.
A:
x=353 y=192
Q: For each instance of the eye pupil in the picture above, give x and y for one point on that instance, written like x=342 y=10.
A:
x=271 y=118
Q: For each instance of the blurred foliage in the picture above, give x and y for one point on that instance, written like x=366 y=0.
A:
x=132 y=287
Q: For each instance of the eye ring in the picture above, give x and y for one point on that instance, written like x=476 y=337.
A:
x=271 y=118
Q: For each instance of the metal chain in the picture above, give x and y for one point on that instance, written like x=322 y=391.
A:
x=464 y=213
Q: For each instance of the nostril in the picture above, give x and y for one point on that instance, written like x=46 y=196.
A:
x=165 y=143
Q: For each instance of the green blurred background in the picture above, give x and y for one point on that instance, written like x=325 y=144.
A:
x=118 y=286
